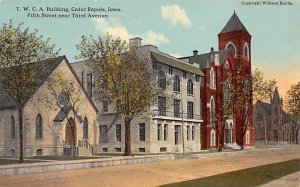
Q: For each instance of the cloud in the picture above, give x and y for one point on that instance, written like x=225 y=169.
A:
x=176 y=55
x=175 y=15
x=151 y=37
x=114 y=28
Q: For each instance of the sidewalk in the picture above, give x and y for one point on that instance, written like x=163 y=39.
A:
x=153 y=174
x=292 y=180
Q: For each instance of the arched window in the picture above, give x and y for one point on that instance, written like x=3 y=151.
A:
x=13 y=127
x=161 y=80
x=232 y=48
x=212 y=138
x=190 y=88
x=246 y=51
x=39 y=126
x=176 y=85
x=212 y=110
x=212 y=78
x=85 y=128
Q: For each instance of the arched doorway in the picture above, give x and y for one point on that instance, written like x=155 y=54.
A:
x=275 y=136
x=70 y=132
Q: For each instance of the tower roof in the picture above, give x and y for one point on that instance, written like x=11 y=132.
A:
x=276 y=97
x=234 y=24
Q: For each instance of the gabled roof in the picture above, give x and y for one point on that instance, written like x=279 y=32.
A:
x=234 y=24
x=266 y=106
x=205 y=60
x=44 y=69
x=174 y=62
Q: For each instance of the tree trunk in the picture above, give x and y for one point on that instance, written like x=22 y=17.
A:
x=127 y=137
x=20 y=110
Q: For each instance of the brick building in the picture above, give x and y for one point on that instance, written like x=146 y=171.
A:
x=219 y=67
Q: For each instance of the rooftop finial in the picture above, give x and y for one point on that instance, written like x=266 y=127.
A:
x=234 y=11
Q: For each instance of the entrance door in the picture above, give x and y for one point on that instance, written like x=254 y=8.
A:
x=70 y=132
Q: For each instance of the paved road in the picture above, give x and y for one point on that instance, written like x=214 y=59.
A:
x=151 y=174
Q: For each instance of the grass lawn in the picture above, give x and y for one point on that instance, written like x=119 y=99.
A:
x=246 y=177
x=64 y=157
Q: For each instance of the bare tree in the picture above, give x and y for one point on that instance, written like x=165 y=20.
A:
x=19 y=49
x=122 y=78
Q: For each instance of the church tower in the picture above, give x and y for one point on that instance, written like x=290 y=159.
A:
x=235 y=38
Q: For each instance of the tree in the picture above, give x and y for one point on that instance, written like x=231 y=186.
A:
x=66 y=99
x=248 y=92
x=122 y=78
x=292 y=105
x=19 y=49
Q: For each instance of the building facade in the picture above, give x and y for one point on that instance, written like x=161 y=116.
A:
x=220 y=67
x=168 y=127
x=272 y=123
x=49 y=130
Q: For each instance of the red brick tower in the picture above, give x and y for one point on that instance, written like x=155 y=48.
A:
x=235 y=37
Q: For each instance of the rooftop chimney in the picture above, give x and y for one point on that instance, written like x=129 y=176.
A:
x=135 y=42
x=195 y=52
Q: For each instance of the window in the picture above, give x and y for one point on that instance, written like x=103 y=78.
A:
x=190 y=109
x=12 y=152
x=163 y=149
x=246 y=51
x=118 y=149
x=176 y=108
x=190 y=89
x=197 y=78
x=82 y=77
x=104 y=106
x=176 y=84
x=161 y=80
x=258 y=117
x=165 y=132
x=193 y=133
x=142 y=149
x=188 y=130
x=118 y=105
x=103 y=134
x=104 y=149
x=212 y=111
x=142 y=131
x=162 y=106
x=177 y=134
x=89 y=84
x=212 y=78
x=85 y=128
x=39 y=126
x=247 y=137
x=13 y=127
x=39 y=152
x=118 y=132
x=158 y=132
x=212 y=138
x=184 y=74
x=170 y=70
x=231 y=48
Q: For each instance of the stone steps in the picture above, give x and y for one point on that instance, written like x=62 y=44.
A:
x=84 y=152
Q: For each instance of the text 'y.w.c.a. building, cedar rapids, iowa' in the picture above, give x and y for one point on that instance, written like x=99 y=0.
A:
x=196 y=84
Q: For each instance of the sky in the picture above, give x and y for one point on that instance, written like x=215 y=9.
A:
x=176 y=27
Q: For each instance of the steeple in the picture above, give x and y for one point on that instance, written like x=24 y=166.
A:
x=276 y=97
x=234 y=24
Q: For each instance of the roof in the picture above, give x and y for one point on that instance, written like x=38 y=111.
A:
x=276 y=97
x=265 y=106
x=205 y=60
x=234 y=24
x=174 y=62
x=43 y=69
